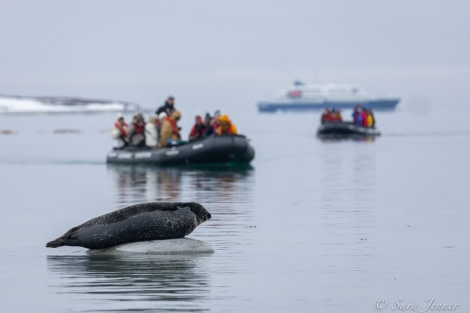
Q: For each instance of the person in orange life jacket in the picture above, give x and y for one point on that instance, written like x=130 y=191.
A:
x=136 y=131
x=198 y=129
x=336 y=115
x=168 y=107
x=226 y=127
x=170 y=129
x=120 y=131
x=214 y=124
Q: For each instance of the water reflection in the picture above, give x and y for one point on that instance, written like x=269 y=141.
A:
x=226 y=192
x=348 y=207
x=347 y=138
x=200 y=184
x=143 y=283
x=348 y=178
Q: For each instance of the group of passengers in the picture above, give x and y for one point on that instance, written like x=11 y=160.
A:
x=361 y=117
x=329 y=116
x=162 y=129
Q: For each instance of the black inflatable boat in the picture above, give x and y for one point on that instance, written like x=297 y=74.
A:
x=345 y=129
x=212 y=149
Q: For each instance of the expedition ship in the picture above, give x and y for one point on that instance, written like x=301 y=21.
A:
x=301 y=97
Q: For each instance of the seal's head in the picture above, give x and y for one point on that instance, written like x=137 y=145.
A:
x=202 y=214
x=70 y=238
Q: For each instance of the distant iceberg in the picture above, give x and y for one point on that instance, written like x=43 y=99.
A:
x=18 y=104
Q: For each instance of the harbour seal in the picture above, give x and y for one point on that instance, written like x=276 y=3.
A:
x=140 y=222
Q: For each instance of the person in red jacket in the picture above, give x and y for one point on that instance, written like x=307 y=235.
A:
x=198 y=129
x=120 y=131
x=325 y=117
x=364 y=118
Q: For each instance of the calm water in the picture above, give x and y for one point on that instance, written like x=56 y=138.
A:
x=312 y=226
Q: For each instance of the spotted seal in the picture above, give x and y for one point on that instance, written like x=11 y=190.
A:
x=140 y=222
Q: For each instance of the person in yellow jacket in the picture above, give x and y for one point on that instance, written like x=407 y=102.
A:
x=370 y=119
x=226 y=127
x=170 y=129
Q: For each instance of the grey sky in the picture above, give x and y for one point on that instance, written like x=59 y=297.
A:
x=232 y=51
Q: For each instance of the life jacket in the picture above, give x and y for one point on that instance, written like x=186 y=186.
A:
x=173 y=125
x=121 y=129
x=364 y=118
x=370 y=120
x=198 y=130
x=139 y=129
x=334 y=117
x=228 y=131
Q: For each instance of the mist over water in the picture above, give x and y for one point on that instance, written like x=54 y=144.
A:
x=312 y=225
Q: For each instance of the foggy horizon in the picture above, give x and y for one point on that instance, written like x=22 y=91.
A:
x=207 y=52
